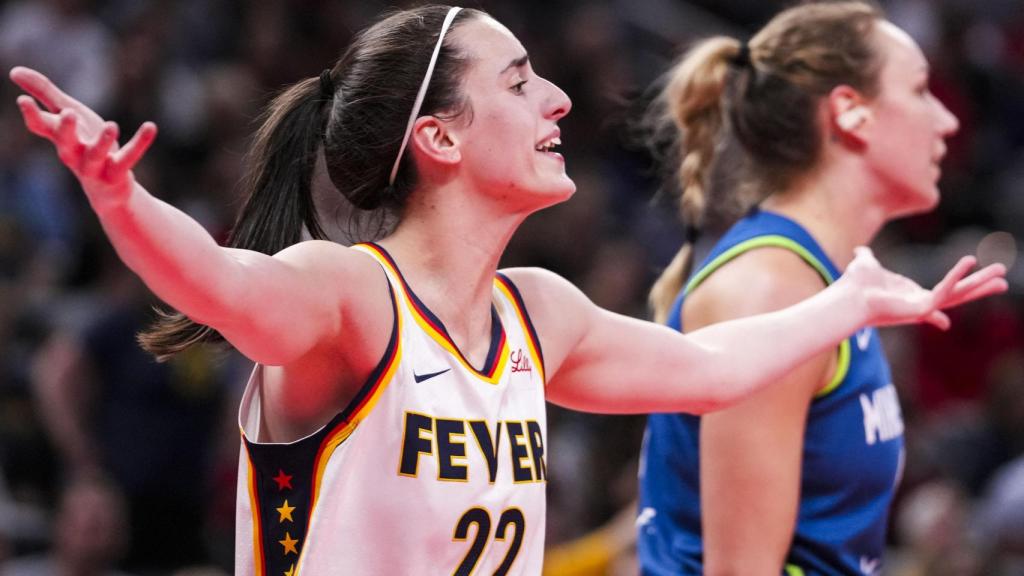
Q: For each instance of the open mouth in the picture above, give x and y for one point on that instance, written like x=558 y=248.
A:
x=548 y=145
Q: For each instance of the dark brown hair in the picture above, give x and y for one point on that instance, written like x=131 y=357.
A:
x=360 y=128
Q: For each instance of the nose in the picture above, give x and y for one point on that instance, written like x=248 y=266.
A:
x=556 y=103
x=948 y=122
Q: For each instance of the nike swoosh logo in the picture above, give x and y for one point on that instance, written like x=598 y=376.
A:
x=863 y=338
x=421 y=377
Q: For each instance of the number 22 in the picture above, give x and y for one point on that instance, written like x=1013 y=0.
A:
x=482 y=519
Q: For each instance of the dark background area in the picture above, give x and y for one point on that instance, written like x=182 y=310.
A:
x=106 y=455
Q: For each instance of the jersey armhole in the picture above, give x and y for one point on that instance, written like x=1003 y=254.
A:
x=510 y=290
x=778 y=241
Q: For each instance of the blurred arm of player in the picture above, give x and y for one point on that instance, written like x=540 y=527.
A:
x=64 y=388
x=227 y=289
x=599 y=361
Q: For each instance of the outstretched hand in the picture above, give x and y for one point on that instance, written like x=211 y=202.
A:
x=85 y=142
x=893 y=299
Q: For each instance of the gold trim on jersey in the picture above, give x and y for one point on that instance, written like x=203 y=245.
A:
x=435 y=332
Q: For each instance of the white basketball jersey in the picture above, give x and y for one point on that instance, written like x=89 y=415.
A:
x=434 y=468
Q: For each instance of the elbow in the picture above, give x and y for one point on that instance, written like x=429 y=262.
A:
x=726 y=388
x=707 y=405
x=722 y=392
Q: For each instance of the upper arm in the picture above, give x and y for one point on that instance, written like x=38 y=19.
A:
x=751 y=453
x=600 y=361
x=308 y=296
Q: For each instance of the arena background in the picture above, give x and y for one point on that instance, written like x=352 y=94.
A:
x=109 y=457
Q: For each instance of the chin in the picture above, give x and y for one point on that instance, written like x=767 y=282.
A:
x=561 y=191
x=568 y=188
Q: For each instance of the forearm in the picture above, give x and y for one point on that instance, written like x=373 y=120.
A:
x=747 y=354
x=172 y=253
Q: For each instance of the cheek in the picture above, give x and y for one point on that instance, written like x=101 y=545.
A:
x=904 y=142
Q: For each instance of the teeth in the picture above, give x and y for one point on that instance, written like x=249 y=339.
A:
x=547 y=146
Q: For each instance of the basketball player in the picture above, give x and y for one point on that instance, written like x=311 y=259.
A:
x=395 y=422
x=830 y=104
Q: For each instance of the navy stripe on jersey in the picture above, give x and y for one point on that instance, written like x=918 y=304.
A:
x=284 y=476
x=526 y=316
x=497 y=330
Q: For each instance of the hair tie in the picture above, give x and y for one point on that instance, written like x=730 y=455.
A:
x=326 y=85
x=742 y=58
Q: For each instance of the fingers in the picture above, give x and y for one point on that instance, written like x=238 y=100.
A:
x=938 y=319
x=865 y=254
x=41 y=88
x=985 y=282
x=991 y=287
x=69 y=124
x=980 y=277
x=69 y=147
x=53 y=98
x=129 y=155
x=97 y=152
x=34 y=119
x=946 y=286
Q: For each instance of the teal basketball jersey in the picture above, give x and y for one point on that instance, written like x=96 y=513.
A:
x=852 y=453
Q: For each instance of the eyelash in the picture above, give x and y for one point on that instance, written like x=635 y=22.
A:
x=517 y=88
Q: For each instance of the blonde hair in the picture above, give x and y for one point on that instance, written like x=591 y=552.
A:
x=764 y=96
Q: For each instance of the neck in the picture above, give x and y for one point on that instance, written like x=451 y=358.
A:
x=448 y=246
x=837 y=204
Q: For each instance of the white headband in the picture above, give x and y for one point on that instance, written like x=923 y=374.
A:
x=423 y=91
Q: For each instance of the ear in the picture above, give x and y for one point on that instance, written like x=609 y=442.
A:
x=848 y=114
x=432 y=139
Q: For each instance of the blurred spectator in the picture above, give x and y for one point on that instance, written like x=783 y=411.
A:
x=90 y=534
x=203 y=68
x=64 y=39
x=933 y=524
x=1000 y=518
x=112 y=410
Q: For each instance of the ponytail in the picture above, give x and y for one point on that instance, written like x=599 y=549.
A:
x=692 y=104
x=279 y=205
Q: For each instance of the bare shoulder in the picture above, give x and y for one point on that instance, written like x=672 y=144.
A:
x=327 y=256
x=559 y=310
x=757 y=281
x=350 y=286
x=335 y=266
x=544 y=291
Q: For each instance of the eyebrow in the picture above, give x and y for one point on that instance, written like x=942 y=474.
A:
x=517 y=63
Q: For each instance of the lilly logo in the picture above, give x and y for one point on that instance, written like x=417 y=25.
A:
x=520 y=361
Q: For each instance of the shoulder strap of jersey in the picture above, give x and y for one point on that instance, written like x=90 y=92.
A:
x=390 y=270
x=511 y=293
x=727 y=253
x=431 y=326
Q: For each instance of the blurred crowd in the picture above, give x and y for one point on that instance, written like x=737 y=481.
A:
x=113 y=464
